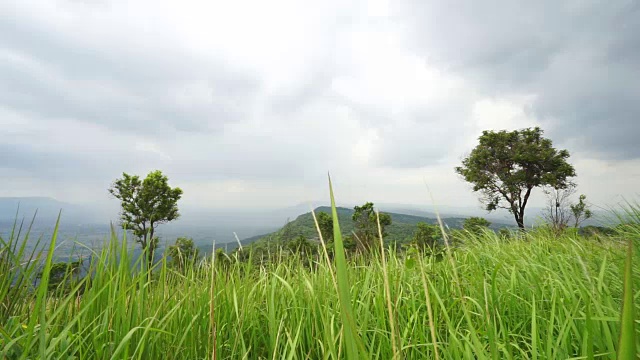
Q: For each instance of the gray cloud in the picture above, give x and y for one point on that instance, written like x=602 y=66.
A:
x=224 y=100
x=124 y=84
x=425 y=141
x=309 y=89
x=60 y=165
x=577 y=58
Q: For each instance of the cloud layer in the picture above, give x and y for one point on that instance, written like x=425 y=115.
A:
x=248 y=104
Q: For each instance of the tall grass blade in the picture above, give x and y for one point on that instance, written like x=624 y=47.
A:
x=212 y=294
x=387 y=291
x=627 y=342
x=427 y=295
x=41 y=298
x=324 y=247
x=344 y=295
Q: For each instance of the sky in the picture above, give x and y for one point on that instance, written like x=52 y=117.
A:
x=249 y=104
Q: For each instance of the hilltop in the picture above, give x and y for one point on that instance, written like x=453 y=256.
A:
x=401 y=229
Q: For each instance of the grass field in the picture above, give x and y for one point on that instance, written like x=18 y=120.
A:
x=535 y=297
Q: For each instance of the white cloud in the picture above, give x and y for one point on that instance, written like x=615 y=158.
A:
x=249 y=104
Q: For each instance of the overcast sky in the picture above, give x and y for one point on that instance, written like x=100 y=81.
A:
x=250 y=103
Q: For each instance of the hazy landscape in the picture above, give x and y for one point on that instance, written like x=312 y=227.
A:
x=86 y=225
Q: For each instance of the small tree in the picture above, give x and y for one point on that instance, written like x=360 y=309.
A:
x=476 y=225
x=183 y=253
x=287 y=232
x=223 y=260
x=325 y=223
x=349 y=242
x=145 y=205
x=557 y=212
x=366 y=226
x=300 y=245
x=63 y=275
x=426 y=236
x=560 y=211
x=506 y=166
x=580 y=211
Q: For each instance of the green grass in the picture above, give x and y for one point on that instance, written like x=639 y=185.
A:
x=536 y=297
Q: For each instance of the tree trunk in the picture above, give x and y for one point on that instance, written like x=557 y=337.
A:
x=151 y=247
x=519 y=215
x=520 y=210
x=143 y=240
x=150 y=258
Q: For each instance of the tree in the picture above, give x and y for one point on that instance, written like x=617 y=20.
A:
x=287 y=232
x=366 y=224
x=183 y=253
x=325 y=223
x=300 y=245
x=145 y=205
x=223 y=260
x=476 y=224
x=506 y=166
x=426 y=236
x=557 y=212
x=63 y=275
x=580 y=211
x=560 y=211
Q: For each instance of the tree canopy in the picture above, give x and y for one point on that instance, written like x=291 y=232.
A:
x=183 y=253
x=476 y=224
x=366 y=225
x=507 y=165
x=325 y=223
x=580 y=211
x=426 y=236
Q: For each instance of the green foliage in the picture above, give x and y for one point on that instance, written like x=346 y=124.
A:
x=146 y=204
x=183 y=253
x=301 y=245
x=596 y=231
x=580 y=211
x=505 y=233
x=560 y=211
x=401 y=230
x=325 y=223
x=426 y=236
x=506 y=166
x=366 y=226
x=63 y=275
x=476 y=225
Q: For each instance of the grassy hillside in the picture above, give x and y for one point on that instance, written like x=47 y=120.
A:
x=539 y=297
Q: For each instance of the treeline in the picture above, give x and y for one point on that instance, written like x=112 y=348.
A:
x=503 y=168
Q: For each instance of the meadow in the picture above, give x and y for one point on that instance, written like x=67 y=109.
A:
x=537 y=295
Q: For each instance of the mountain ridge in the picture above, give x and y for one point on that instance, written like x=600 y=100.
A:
x=401 y=229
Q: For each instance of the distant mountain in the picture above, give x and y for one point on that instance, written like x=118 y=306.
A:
x=90 y=225
x=47 y=210
x=230 y=246
x=240 y=217
x=401 y=229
